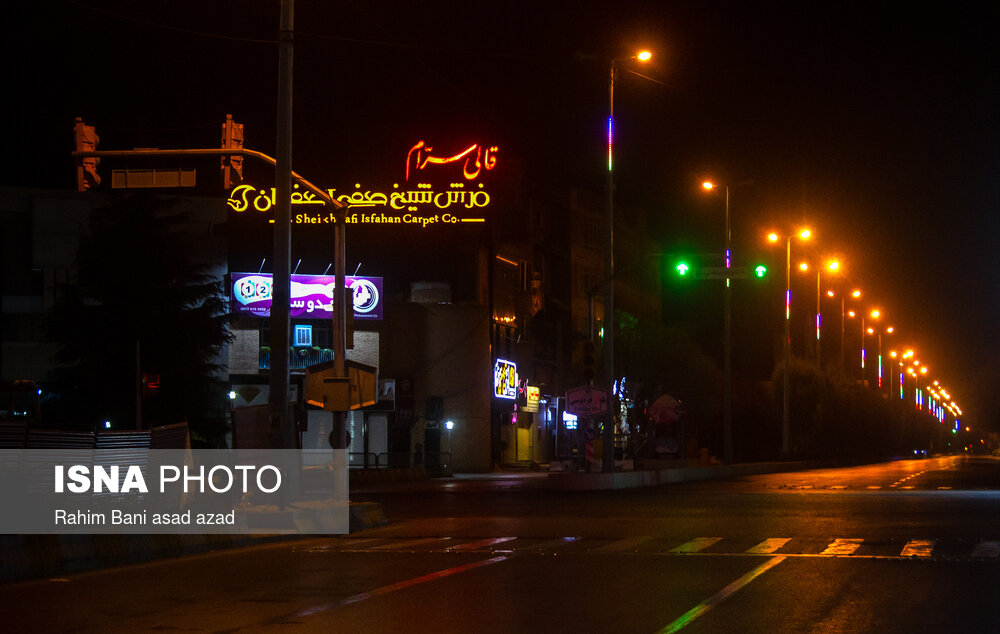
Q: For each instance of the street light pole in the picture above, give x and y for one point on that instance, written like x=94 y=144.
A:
x=727 y=339
x=785 y=396
x=608 y=433
x=727 y=301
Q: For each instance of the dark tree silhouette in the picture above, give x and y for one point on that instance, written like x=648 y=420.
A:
x=145 y=303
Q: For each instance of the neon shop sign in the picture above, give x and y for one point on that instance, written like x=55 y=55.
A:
x=418 y=204
x=505 y=379
x=311 y=296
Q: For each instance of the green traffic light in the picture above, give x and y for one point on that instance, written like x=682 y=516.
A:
x=760 y=270
x=683 y=268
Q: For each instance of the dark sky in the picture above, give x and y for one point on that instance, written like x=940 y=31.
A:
x=874 y=122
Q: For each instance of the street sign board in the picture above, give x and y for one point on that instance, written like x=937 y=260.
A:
x=721 y=273
x=587 y=401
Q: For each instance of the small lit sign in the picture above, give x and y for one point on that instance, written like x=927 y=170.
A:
x=532 y=395
x=311 y=295
x=505 y=379
x=570 y=420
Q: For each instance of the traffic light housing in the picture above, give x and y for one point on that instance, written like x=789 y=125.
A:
x=232 y=165
x=86 y=166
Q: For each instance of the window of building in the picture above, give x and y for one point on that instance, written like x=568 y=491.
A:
x=303 y=335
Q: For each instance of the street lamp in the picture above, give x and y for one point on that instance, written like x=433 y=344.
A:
x=608 y=435
x=832 y=266
x=871 y=331
x=843 y=318
x=774 y=237
x=727 y=338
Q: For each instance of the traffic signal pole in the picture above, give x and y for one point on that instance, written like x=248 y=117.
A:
x=281 y=282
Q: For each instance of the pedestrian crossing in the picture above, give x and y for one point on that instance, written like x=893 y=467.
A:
x=877 y=548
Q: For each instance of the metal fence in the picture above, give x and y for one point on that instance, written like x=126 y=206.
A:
x=432 y=461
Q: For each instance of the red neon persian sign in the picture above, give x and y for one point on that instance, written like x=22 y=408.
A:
x=476 y=158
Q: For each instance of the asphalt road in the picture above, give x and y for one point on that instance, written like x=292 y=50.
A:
x=905 y=546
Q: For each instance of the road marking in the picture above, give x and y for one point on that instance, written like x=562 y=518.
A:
x=843 y=546
x=409 y=544
x=377 y=592
x=768 y=546
x=721 y=595
x=629 y=543
x=918 y=548
x=476 y=545
x=986 y=550
x=696 y=545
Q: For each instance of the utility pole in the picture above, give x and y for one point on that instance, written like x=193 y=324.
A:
x=281 y=284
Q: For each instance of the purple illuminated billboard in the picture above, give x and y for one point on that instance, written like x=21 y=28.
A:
x=311 y=295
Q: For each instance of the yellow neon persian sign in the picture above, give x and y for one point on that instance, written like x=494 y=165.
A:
x=418 y=204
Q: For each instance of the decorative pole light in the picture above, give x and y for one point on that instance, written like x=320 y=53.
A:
x=803 y=234
x=608 y=434
x=727 y=336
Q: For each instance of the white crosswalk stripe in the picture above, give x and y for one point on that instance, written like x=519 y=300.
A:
x=986 y=550
x=629 y=543
x=768 y=546
x=696 y=545
x=843 y=546
x=918 y=548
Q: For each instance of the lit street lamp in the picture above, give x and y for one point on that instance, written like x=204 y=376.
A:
x=608 y=435
x=833 y=266
x=774 y=237
x=727 y=338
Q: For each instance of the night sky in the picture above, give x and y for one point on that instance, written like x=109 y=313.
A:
x=875 y=125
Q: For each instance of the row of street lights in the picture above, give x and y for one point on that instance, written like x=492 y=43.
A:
x=832 y=267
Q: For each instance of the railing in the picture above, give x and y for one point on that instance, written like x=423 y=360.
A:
x=299 y=358
x=433 y=461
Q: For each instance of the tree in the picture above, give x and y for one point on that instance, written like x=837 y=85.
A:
x=145 y=303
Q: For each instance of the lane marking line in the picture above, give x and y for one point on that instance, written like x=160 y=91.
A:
x=843 y=546
x=768 y=546
x=721 y=595
x=377 y=592
x=918 y=548
x=697 y=544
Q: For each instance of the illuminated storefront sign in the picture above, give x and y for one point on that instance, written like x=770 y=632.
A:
x=311 y=295
x=532 y=396
x=505 y=379
x=421 y=204
x=474 y=156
